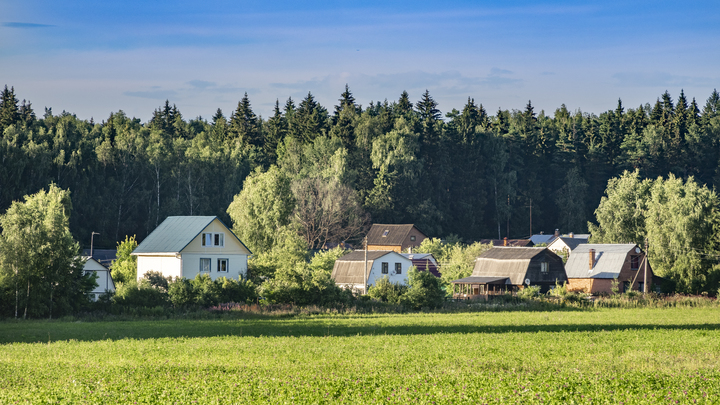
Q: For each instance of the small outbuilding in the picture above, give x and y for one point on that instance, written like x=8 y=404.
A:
x=566 y=244
x=502 y=269
x=424 y=262
x=349 y=270
x=594 y=268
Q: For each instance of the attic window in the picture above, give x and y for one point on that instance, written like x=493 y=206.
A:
x=412 y=238
x=213 y=240
x=544 y=267
x=385 y=234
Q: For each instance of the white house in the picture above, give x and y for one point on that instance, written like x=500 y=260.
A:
x=104 y=279
x=188 y=246
x=349 y=269
x=564 y=245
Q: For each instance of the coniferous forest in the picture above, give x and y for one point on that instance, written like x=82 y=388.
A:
x=467 y=172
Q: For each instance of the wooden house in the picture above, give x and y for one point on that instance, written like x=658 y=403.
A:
x=396 y=238
x=593 y=268
x=191 y=245
x=349 y=270
x=502 y=269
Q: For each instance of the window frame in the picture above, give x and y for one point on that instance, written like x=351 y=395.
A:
x=384 y=268
x=227 y=265
x=635 y=260
x=544 y=267
x=398 y=268
x=217 y=239
x=412 y=238
x=209 y=265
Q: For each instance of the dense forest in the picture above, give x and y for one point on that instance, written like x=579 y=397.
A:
x=469 y=173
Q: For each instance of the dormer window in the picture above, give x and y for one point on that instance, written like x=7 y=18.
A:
x=213 y=239
x=385 y=234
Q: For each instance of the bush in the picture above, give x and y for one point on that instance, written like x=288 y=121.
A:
x=425 y=290
x=134 y=294
x=385 y=291
x=181 y=293
x=529 y=292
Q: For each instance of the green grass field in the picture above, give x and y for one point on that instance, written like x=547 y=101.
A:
x=595 y=356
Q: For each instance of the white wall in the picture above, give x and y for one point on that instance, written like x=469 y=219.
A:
x=167 y=265
x=237 y=265
x=390 y=259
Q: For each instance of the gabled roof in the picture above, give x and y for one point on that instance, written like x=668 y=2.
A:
x=571 y=243
x=394 y=234
x=510 y=262
x=349 y=269
x=609 y=260
x=175 y=233
x=423 y=261
x=538 y=239
x=510 y=242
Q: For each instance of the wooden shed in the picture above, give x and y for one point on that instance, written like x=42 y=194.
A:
x=503 y=269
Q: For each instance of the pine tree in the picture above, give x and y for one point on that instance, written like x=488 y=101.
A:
x=219 y=126
x=346 y=101
x=27 y=115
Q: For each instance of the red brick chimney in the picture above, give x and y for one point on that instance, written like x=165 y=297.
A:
x=505 y=242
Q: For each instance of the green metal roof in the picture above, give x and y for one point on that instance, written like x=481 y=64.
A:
x=174 y=233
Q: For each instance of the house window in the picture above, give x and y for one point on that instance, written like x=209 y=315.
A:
x=204 y=265
x=544 y=267
x=213 y=239
x=398 y=268
x=385 y=234
x=222 y=265
x=634 y=262
x=384 y=268
x=412 y=238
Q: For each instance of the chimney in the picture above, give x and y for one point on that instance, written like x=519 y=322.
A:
x=572 y=235
x=592 y=258
x=542 y=233
x=557 y=232
x=410 y=249
x=505 y=243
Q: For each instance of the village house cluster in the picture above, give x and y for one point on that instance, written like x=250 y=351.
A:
x=185 y=246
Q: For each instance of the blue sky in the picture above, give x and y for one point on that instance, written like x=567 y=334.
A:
x=95 y=57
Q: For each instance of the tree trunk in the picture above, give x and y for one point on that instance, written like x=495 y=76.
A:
x=51 y=300
x=27 y=300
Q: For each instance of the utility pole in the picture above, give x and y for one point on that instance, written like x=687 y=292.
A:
x=92 y=239
x=507 y=234
x=645 y=284
x=365 y=272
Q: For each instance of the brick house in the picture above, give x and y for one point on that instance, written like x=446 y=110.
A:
x=592 y=268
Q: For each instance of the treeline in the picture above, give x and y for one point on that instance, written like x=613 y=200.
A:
x=470 y=173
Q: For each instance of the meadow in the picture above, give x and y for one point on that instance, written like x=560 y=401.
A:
x=644 y=355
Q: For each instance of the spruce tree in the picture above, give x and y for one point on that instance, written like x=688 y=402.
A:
x=404 y=106
x=244 y=124
x=9 y=114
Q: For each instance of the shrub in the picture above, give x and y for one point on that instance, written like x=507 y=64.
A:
x=386 y=291
x=529 y=292
x=142 y=294
x=425 y=290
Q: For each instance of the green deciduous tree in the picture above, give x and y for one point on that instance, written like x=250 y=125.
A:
x=124 y=267
x=40 y=262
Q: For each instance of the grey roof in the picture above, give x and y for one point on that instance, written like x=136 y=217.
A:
x=482 y=280
x=349 y=269
x=396 y=234
x=359 y=255
x=538 y=239
x=174 y=233
x=572 y=243
x=609 y=260
x=513 y=262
